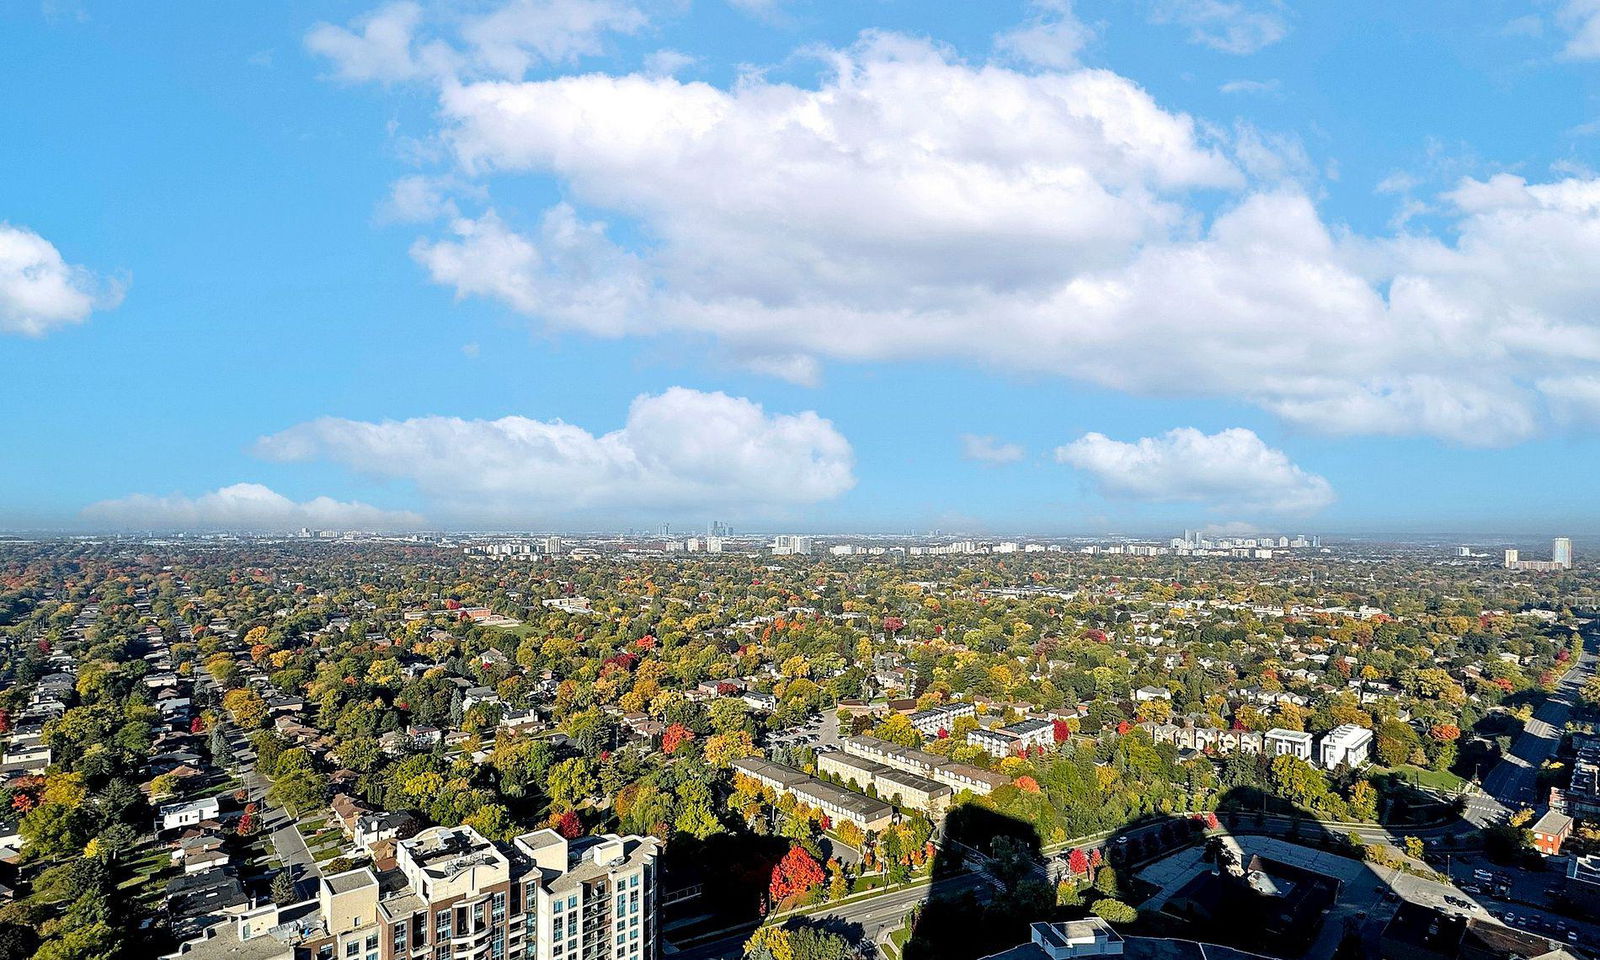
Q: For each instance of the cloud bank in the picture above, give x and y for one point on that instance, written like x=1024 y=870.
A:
x=1232 y=469
x=912 y=206
x=1043 y=218
x=243 y=507
x=678 y=449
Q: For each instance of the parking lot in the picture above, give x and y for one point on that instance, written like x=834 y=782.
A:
x=821 y=732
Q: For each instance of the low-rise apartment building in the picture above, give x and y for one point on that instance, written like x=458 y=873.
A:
x=896 y=786
x=837 y=803
x=1346 y=744
x=1294 y=743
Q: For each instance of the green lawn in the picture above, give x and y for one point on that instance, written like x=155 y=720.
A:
x=1437 y=779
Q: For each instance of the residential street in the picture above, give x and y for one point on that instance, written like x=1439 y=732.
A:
x=875 y=916
x=1510 y=785
x=287 y=842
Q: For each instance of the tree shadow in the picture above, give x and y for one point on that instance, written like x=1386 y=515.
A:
x=1264 y=876
x=731 y=870
x=1011 y=890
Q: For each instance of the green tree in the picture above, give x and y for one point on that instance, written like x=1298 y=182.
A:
x=1114 y=911
x=282 y=889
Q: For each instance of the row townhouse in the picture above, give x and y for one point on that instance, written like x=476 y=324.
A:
x=1014 y=739
x=1581 y=799
x=956 y=776
x=837 y=803
x=1205 y=739
x=943 y=717
x=453 y=895
x=1348 y=745
x=897 y=786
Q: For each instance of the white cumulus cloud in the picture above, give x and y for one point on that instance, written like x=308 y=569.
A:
x=987 y=449
x=39 y=290
x=1232 y=469
x=678 y=449
x=569 y=273
x=243 y=507
x=910 y=205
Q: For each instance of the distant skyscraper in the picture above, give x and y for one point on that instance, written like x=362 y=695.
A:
x=1561 y=552
x=789 y=544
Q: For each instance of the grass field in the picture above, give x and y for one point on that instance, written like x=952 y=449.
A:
x=1436 y=779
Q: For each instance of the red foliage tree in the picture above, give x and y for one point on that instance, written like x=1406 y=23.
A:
x=893 y=625
x=1123 y=727
x=1212 y=822
x=1078 y=862
x=1444 y=732
x=1094 y=858
x=247 y=823
x=1027 y=784
x=197 y=725
x=1061 y=730
x=795 y=874
x=676 y=735
x=570 y=826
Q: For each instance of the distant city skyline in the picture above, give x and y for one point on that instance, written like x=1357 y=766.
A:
x=801 y=265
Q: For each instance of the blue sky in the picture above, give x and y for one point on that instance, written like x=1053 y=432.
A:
x=996 y=267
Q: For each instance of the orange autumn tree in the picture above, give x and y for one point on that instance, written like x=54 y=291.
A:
x=675 y=736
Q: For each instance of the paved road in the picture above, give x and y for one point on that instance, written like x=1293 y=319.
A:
x=1511 y=785
x=875 y=915
x=287 y=842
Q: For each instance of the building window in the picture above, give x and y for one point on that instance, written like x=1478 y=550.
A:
x=572 y=903
x=353 y=948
